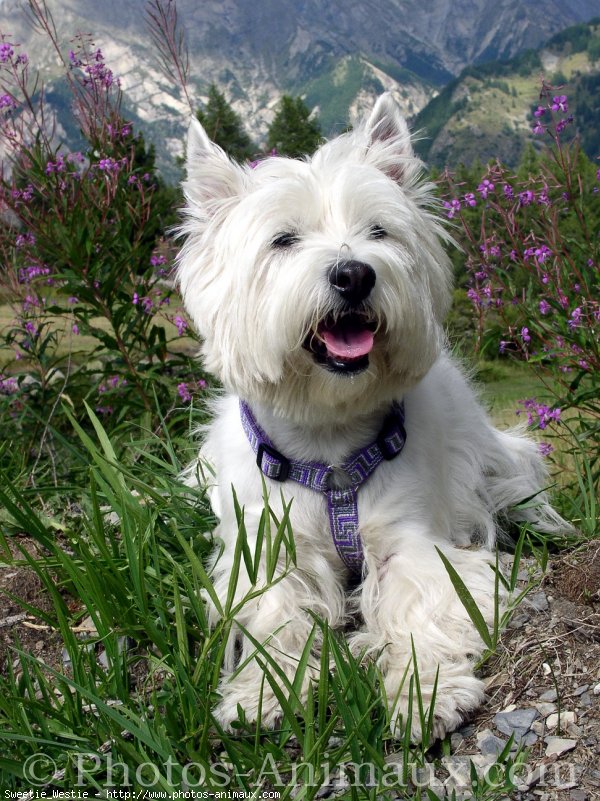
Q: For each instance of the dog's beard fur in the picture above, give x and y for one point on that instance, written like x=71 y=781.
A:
x=255 y=276
x=255 y=303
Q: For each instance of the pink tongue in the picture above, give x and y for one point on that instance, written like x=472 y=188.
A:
x=347 y=343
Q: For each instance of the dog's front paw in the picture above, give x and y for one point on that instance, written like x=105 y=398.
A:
x=253 y=693
x=453 y=700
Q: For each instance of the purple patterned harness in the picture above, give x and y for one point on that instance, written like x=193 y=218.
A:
x=342 y=504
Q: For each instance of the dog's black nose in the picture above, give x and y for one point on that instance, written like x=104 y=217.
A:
x=354 y=280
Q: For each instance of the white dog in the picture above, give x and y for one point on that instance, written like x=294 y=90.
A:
x=320 y=289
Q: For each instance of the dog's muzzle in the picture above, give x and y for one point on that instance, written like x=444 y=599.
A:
x=343 y=340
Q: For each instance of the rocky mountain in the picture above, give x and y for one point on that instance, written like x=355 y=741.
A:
x=486 y=112
x=337 y=53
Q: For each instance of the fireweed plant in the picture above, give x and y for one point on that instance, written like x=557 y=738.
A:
x=85 y=270
x=532 y=257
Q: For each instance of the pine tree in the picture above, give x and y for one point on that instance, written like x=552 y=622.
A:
x=225 y=127
x=529 y=164
x=293 y=132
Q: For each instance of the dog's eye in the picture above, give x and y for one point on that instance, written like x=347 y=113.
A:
x=285 y=240
x=377 y=232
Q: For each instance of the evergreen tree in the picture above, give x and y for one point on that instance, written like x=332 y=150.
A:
x=225 y=127
x=293 y=132
x=529 y=164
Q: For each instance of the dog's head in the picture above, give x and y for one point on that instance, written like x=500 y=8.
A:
x=318 y=286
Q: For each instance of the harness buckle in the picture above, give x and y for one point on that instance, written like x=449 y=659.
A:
x=273 y=464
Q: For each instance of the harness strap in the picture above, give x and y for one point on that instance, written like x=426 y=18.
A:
x=342 y=503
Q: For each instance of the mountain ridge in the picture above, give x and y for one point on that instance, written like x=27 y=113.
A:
x=337 y=54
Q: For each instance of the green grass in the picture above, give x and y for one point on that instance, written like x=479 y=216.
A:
x=133 y=561
x=504 y=383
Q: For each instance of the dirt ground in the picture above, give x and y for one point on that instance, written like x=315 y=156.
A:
x=548 y=665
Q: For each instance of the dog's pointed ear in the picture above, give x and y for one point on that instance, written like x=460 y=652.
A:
x=211 y=175
x=388 y=139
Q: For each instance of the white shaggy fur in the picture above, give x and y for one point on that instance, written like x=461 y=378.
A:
x=457 y=476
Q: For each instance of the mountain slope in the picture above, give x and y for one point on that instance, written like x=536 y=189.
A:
x=486 y=112
x=338 y=53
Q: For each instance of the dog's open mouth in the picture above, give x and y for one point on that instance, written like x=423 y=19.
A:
x=343 y=344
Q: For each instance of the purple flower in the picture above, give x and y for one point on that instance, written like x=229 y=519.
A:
x=485 y=187
x=470 y=199
x=473 y=296
x=545 y=448
x=55 y=166
x=559 y=103
x=184 y=392
x=539 y=413
x=543 y=198
x=75 y=329
x=452 y=207
x=544 y=307
x=157 y=259
x=24 y=239
x=31 y=329
x=508 y=191
x=148 y=305
x=7 y=101
x=28 y=274
x=562 y=124
x=106 y=165
x=525 y=336
x=542 y=253
x=136 y=299
x=526 y=198
x=6 y=52
x=8 y=385
x=76 y=158
x=538 y=129
x=181 y=325
x=539 y=112
x=575 y=318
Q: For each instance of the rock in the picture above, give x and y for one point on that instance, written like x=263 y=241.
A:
x=566 y=717
x=545 y=708
x=456 y=739
x=488 y=743
x=539 y=727
x=537 y=601
x=518 y=620
x=580 y=690
x=519 y=719
x=585 y=699
x=467 y=731
x=556 y=746
x=578 y=795
x=549 y=695
x=597 y=689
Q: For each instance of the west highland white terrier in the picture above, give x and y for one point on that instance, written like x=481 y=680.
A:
x=320 y=289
